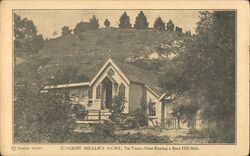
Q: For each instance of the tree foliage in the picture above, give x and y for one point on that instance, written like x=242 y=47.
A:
x=170 y=26
x=41 y=117
x=94 y=22
x=208 y=68
x=82 y=27
x=185 y=108
x=66 y=30
x=107 y=23
x=141 y=21
x=124 y=21
x=159 y=24
x=178 y=29
x=26 y=36
x=118 y=105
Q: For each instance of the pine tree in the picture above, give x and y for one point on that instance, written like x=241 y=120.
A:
x=170 y=26
x=94 y=22
x=159 y=24
x=124 y=21
x=107 y=23
x=141 y=21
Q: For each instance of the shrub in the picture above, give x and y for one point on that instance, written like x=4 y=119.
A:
x=104 y=129
x=126 y=121
x=141 y=117
x=41 y=118
x=118 y=105
x=141 y=114
x=79 y=111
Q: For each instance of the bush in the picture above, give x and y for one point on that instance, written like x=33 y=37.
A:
x=118 y=105
x=41 y=118
x=130 y=123
x=141 y=114
x=79 y=111
x=104 y=129
x=127 y=121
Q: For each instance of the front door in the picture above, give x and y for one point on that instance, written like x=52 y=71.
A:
x=108 y=94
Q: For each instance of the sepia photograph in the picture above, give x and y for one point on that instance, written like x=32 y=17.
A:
x=139 y=76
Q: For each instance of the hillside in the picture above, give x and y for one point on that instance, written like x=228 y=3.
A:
x=79 y=55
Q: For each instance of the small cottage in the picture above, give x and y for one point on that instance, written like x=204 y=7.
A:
x=138 y=86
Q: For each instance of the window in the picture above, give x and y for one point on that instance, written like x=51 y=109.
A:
x=122 y=90
x=98 y=92
x=152 y=110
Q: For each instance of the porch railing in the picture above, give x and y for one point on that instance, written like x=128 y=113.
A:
x=95 y=116
x=170 y=123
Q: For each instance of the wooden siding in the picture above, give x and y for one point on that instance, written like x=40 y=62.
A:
x=137 y=95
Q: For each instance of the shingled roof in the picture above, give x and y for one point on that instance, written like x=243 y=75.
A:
x=140 y=75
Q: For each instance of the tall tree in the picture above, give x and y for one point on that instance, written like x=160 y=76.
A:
x=66 y=30
x=81 y=27
x=170 y=26
x=26 y=35
x=124 y=21
x=159 y=24
x=141 y=21
x=107 y=23
x=94 y=22
x=207 y=70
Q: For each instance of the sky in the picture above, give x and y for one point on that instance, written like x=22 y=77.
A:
x=49 y=21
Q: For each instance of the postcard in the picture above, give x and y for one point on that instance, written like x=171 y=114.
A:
x=124 y=77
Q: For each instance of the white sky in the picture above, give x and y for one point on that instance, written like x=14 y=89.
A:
x=48 y=21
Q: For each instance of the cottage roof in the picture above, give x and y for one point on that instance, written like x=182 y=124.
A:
x=135 y=74
x=140 y=75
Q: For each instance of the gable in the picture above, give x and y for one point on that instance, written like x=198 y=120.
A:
x=111 y=71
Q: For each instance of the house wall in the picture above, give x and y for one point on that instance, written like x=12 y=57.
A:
x=118 y=79
x=136 y=96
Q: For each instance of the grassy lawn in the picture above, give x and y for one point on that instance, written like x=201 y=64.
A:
x=145 y=135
